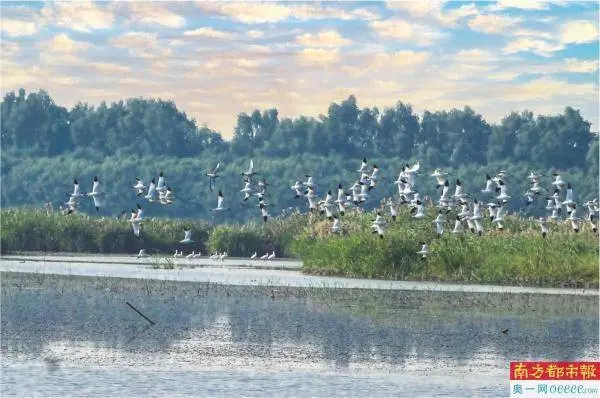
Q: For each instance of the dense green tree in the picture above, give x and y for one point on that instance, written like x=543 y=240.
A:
x=44 y=146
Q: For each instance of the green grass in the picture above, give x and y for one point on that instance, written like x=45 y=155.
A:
x=516 y=256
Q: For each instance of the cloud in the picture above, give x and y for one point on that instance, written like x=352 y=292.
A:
x=9 y=49
x=537 y=46
x=255 y=34
x=110 y=68
x=82 y=16
x=324 y=39
x=432 y=10
x=142 y=44
x=581 y=66
x=475 y=55
x=318 y=56
x=268 y=12
x=522 y=4
x=405 y=31
x=151 y=13
x=579 y=32
x=62 y=43
x=400 y=59
x=546 y=88
x=19 y=27
x=208 y=32
x=492 y=23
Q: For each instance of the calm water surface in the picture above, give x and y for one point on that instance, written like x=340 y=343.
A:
x=83 y=340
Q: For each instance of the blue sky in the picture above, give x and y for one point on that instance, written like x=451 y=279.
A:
x=217 y=59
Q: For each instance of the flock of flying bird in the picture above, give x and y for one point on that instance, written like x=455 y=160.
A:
x=471 y=211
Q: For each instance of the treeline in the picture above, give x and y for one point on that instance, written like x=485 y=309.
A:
x=35 y=125
x=45 y=145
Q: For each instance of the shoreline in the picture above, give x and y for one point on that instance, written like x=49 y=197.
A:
x=282 y=272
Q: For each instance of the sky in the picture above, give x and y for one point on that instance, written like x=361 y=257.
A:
x=218 y=59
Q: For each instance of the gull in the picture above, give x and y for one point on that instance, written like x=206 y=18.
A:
x=142 y=253
x=544 y=226
x=341 y=199
x=364 y=193
x=464 y=210
x=439 y=224
x=336 y=227
x=139 y=187
x=265 y=256
x=489 y=185
x=591 y=216
x=458 y=226
x=188 y=236
x=297 y=187
x=414 y=169
x=139 y=212
x=212 y=176
x=558 y=181
x=219 y=207
x=310 y=195
x=534 y=176
x=363 y=166
x=569 y=198
x=439 y=176
x=71 y=204
x=191 y=255
x=309 y=183
x=271 y=256
x=420 y=210
x=364 y=178
x=492 y=210
x=503 y=195
x=253 y=257
x=500 y=213
x=445 y=189
x=96 y=194
x=393 y=209
x=535 y=187
x=378 y=229
x=263 y=185
x=530 y=198
x=178 y=254
x=135 y=222
x=250 y=172
x=424 y=250
x=152 y=192
x=374 y=177
x=263 y=211
x=554 y=215
x=76 y=190
x=167 y=197
x=476 y=211
x=160 y=187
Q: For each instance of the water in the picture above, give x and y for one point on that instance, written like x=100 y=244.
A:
x=75 y=336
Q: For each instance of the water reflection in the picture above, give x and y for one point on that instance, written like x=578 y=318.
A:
x=255 y=326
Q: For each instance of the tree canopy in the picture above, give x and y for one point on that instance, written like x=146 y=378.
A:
x=44 y=145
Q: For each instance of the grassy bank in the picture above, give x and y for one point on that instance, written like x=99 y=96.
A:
x=516 y=256
x=35 y=230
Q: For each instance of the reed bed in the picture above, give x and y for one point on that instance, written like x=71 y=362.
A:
x=516 y=256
